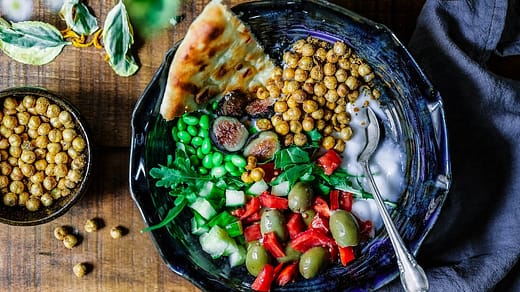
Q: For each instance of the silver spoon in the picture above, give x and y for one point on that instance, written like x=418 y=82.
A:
x=412 y=275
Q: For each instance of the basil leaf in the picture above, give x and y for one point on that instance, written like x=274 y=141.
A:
x=78 y=17
x=118 y=38
x=31 y=42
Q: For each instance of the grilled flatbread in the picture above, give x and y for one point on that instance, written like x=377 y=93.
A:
x=218 y=54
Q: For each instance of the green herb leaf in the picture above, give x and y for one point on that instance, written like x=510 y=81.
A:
x=292 y=155
x=174 y=212
x=31 y=42
x=118 y=38
x=78 y=17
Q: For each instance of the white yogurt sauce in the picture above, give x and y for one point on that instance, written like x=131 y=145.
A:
x=387 y=164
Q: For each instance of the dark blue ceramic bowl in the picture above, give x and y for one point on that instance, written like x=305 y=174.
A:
x=415 y=118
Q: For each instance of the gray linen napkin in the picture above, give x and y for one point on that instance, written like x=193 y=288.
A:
x=475 y=244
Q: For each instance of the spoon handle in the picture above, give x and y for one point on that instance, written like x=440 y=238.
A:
x=412 y=275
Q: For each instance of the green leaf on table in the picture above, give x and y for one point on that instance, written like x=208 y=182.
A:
x=78 y=17
x=31 y=42
x=118 y=39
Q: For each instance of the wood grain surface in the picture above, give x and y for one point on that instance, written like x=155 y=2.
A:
x=31 y=259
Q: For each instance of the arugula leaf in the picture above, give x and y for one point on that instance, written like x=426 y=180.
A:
x=118 y=37
x=292 y=155
x=174 y=212
x=31 y=42
x=78 y=17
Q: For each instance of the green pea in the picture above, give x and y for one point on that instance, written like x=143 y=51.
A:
x=207 y=161
x=200 y=155
x=184 y=136
x=203 y=170
x=174 y=134
x=218 y=171
x=194 y=159
x=230 y=167
x=196 y=141
x=236 y=173
x=191 y=150
x=238 y=160
x=181 y=125
x=203 y=133
x=217 y=158
x=190 y=120
x=206 y=146
x=192 y=130
x=204 y=122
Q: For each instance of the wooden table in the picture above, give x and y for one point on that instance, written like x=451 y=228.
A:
x=31 y=258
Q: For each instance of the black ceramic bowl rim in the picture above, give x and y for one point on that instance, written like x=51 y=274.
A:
x=62 y=205
x=171 y=242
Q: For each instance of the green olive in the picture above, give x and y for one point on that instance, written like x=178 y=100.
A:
x=313 y=261
x=273 y=221
x=344 y=228
x=307 y=216
x=257 y=256
x=300 y=197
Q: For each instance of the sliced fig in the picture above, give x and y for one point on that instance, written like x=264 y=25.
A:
x=232 y=104
x=263 y=146
x=260 y=108
x=228 y=134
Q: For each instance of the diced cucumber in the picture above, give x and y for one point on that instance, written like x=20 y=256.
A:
x=217 y=242
x=238 y=257
x=257 y=188
x=234 y=228
x=198 y=224
x=281 y=189
x=235 y=198
x=204 y=208
x=210 y=190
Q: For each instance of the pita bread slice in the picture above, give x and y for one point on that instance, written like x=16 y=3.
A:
x=218 y=54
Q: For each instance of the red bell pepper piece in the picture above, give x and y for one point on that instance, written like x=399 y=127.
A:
x=295 y=224
x=272 y=245
x=311 y=238
x=273 y=202
x=252 y=232
x=345 y=201
x=321 y=207
x=320 y=222
x=288 y=274
x=252 y=206
x=255 y=217
x=264 y=279
x=329 y=161
x=334 y=199
x=346 y=254
x=365 y=229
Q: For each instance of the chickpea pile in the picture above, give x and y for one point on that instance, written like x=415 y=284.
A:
x=41 y=153
x=312 y=91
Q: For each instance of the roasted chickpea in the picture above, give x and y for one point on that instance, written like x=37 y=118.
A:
x=282 y=128
x=34 y=122
x=320 y=55
x=37 y=177
x=117 y=232
x=320 y=89
x=291 y=59
x=27 y=169
x=257 y=174
x=280 y=106
x=47 y=199
x=23 y=198
x=262 y=124
x=10 y=199
x=288 y=139
x=33 y=204
x=352 y=83
x=331 y=96
x=4 y=181
x=332 y=57
x=28 y=156
x=364 y=70
x=307 y=50
x=346 y=133
x=316 y=73
x=44 y=129
x=288 y=73
x=4 y=143
x=300 y=139
x=301 y=75
x=309 y=106
x=328 y=142
x=41 y=105
x=70 y=241
x=308 y=124
x=74 y=176
x=80 y=270
x=295 y=126
x=245 y=177
x=339 y=146
x=275 y=119
x=65 y=117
